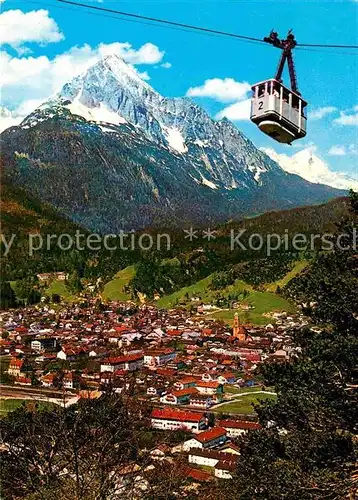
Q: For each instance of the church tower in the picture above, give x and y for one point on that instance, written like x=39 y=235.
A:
x=239 y=331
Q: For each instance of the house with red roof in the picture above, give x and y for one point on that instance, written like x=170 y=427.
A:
x=197 y=474
x=185 y=383
x=23 y=381
x=208 y=439
x=5 y=346
x=15 y=367
x=166 y=372
x=174 y=333
x=173 y=419
x=72 y=353
x=207 y=457
x=115 y=337
x=159 y=356
x=48 y=379
x=236 y=428
x=182 y=396
x=67 y=380
x=201 y=401
x=130 y=362
x=210 y=388
x=224 y=469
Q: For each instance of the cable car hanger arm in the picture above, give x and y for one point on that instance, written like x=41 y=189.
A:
x=286 y=46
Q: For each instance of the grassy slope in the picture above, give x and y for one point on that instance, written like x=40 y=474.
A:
x=114 y=289
x=59 y=288
x=7 y=405
x=230 y=389
x=243 y=405
x=297 y=269
x=200 y=288
x=264 y=302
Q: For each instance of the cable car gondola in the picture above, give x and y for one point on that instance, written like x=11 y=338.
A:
x=277 y=110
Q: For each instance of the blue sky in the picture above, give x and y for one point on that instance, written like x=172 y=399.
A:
x=327 y=78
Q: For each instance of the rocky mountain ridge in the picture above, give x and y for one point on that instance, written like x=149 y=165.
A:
x=111 y=153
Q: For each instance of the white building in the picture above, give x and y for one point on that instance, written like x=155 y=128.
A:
x=36 y=345
x=159 y=357
x=236 y=428
x=67 y=381
x=172 y=419
x=130 y=363
x=224 y=469
x=209 y=388
x=208 y=458
x=207 y=439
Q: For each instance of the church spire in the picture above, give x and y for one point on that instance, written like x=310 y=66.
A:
x=239 y=331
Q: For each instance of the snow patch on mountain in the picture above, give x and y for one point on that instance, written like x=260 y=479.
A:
x=208 y=183
x=257 y=171
x=175 y=139
x=98 y=114
x=308 y=165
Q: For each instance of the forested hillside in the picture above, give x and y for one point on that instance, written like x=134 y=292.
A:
x=167 y=269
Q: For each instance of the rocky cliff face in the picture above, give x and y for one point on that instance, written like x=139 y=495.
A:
x=112 y=153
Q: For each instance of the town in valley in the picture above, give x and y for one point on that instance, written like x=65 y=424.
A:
x=194 y=374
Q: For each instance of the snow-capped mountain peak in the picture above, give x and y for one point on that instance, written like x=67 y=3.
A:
x=121 y=69
x=112 y=91
x=307 y=164
x=133 y=155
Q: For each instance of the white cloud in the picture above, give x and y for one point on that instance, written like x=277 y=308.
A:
x=226 y=90
x=299 y=145
x=18 y=28
x=23 y=71
x=11 y=118
x=144 y=75
x=349 y=117
x=350 y=150
x=27 y=107
x=319 y=113
x=337 y=151
x=307 y=164
x=238 y=111
x=146 y=54
x=25 y=79
x=168 y=65
x=8 y=119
